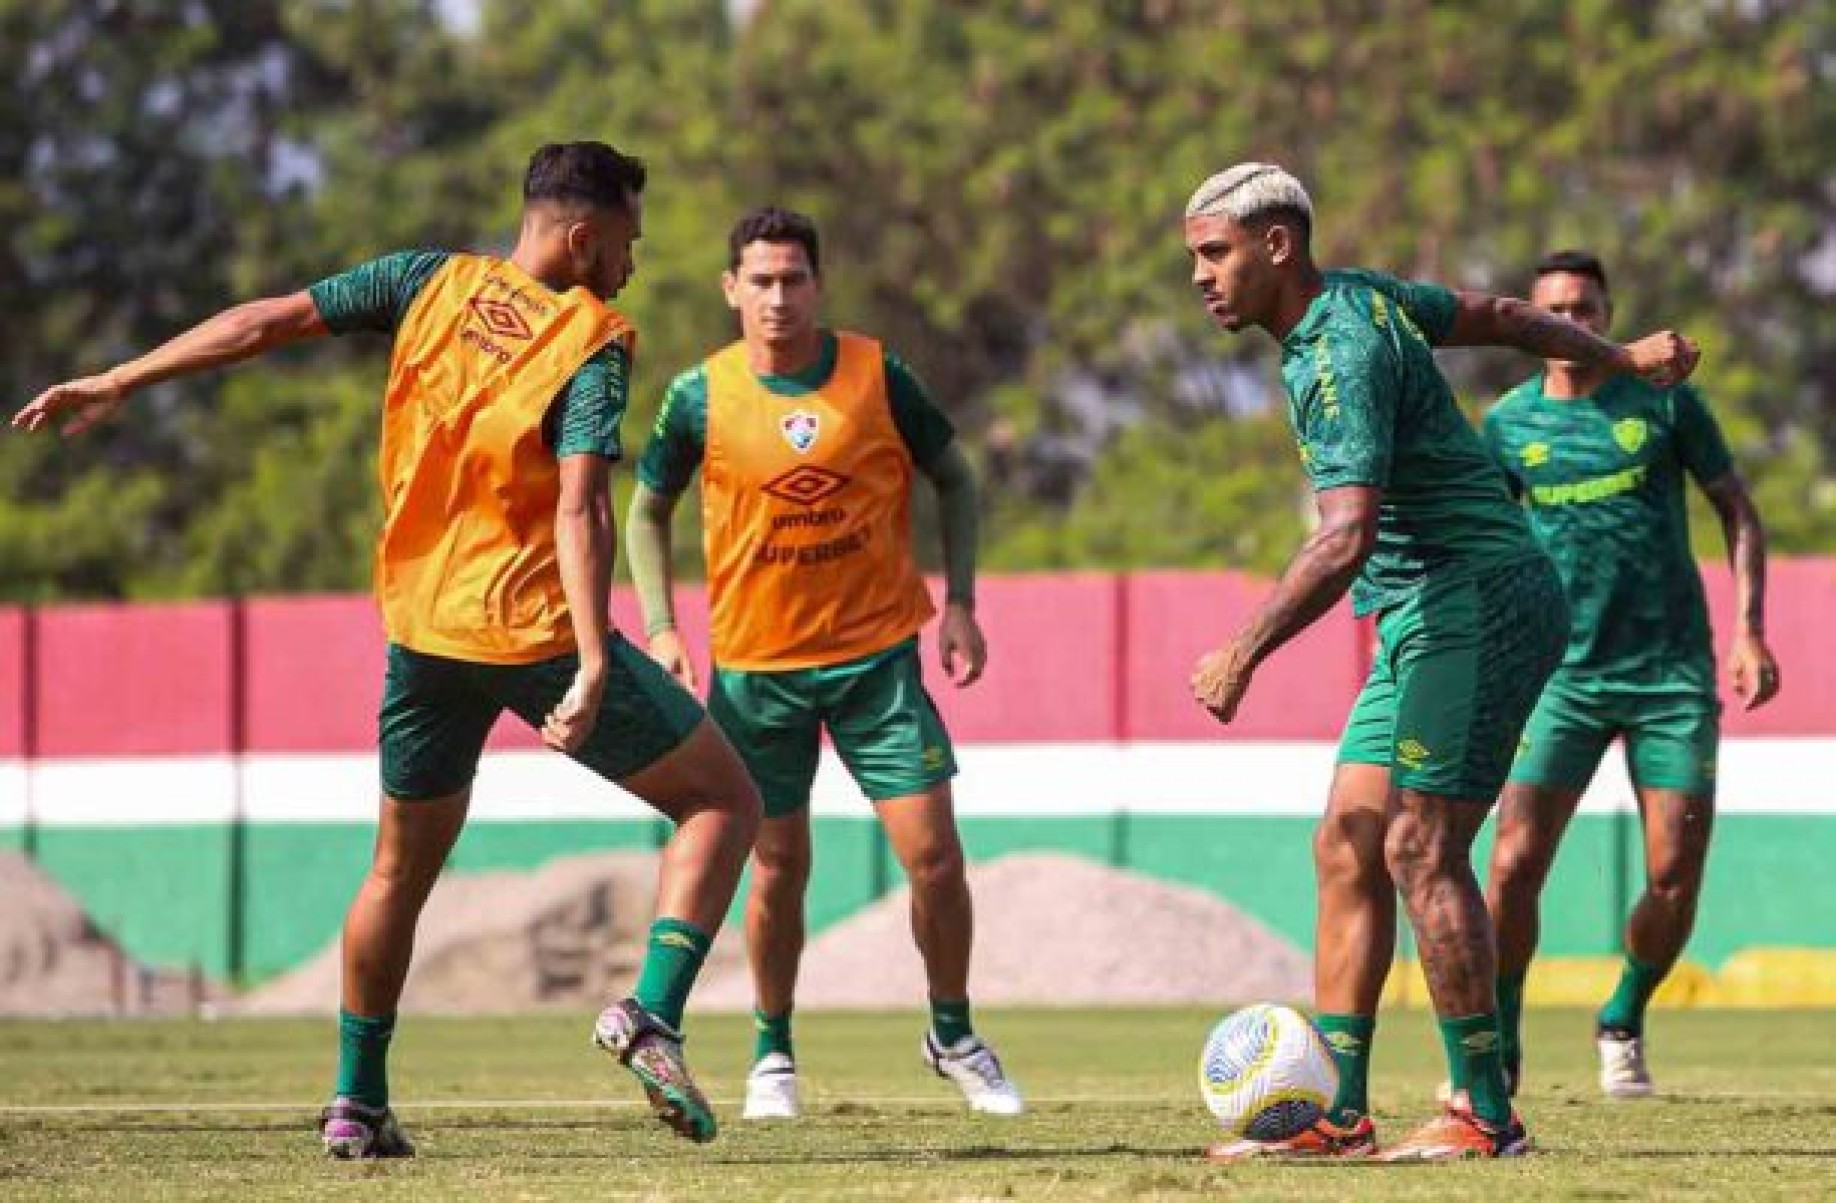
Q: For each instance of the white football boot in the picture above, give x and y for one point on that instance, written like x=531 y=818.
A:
x=1623 y=1074
x=771 y=1089
x=975 y=1069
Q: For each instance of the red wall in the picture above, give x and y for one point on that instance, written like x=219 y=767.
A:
x=1302 y=692
x=1071 y=657
x=1801 y=630
x=151 y=680
x=12 y=682
x=312 y=675
x=1052 y=645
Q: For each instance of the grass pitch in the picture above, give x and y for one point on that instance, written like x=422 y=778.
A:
x=521 y=1109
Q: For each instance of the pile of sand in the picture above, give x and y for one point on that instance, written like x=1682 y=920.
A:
x=569 y=934
x=1052 y=930
x=54 y=962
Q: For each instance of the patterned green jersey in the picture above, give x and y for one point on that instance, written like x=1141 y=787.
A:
x=375 y=296
x=1369 y=406
x=1603 y=479
x=679 y=439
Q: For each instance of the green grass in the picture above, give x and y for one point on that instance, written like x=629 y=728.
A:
x=1749 y=1113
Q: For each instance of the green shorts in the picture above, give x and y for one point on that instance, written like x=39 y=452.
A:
x=1458 y=670
x=1672 y=731
x=436 y=713
x=884 y=725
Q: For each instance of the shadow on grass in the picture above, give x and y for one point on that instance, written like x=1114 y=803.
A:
x=658 y=1147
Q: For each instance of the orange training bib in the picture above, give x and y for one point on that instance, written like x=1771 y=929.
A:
x=467 y=566
x=806 y=509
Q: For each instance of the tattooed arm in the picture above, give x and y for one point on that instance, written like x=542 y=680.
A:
x=1318 y=576
x=1482 y=320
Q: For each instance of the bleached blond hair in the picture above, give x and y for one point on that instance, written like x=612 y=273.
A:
x=1250 y=190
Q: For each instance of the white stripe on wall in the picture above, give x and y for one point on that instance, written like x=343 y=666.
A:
x=12 y=793
x=510 y=786
x=1758 y=776
x=133 y=790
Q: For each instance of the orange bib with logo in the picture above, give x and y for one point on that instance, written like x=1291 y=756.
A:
x=806 y=508
x=467 y=566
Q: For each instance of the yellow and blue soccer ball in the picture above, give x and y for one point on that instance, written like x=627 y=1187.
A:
x=1266 y=1073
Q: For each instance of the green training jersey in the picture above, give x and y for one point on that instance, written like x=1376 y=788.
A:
x=679 y=439
x=1369 y=406
x=1602 y=477
x=376 y=295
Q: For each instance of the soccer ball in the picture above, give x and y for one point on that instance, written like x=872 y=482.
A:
x=1266 y=1073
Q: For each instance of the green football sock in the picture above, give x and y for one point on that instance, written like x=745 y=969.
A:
x=950 y=1021
x=1349 y=1038
x=771 y=1034
x=671 y=961
x=1626 y=1009
x=363 y=1058
x=1511 y=1016
x=1475 y=1066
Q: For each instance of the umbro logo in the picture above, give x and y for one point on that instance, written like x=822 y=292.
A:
x=1412 y=753
x=806 y=484
x=499 y=318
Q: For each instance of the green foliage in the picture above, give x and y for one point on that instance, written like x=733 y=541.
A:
x=1151 y=499
x=998 y=184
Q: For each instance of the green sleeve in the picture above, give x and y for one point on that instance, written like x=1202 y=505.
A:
x=1345 y=412
x=586 y=417
x=679 y=439
x=954 y=478
x=647 y=540
x=921 y=424
x=1430 y=306
x=374 y=296
x=1699 y=441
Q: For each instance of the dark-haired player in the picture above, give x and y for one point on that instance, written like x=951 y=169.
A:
x=808 y=441
x=1600 y=460
x=500 y=425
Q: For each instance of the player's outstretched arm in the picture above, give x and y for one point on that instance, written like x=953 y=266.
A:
x=960 y=643
x=585 y=545
x=232 y=336
x=1482 y=320
x=1751 y=668
x=1315 y=580
x=648 y=546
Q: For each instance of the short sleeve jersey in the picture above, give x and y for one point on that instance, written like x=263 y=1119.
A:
x=375 y=296
x=678 y=441
x=1369 y=406
x=1602 y=477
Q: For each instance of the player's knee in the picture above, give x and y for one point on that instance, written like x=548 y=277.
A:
x=1419 y=852
x=937 y=867
x=1520 y=862
x=1348 y=852
x=782 y=866
x=406 y=869
x=1675 y=883
x=735 y=798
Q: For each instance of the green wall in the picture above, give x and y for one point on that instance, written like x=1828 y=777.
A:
x=165 y=891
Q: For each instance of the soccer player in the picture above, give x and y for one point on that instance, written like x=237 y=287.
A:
x=1415 y=520
x=500 y=425
x=1600 y=459
x=807 y=440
